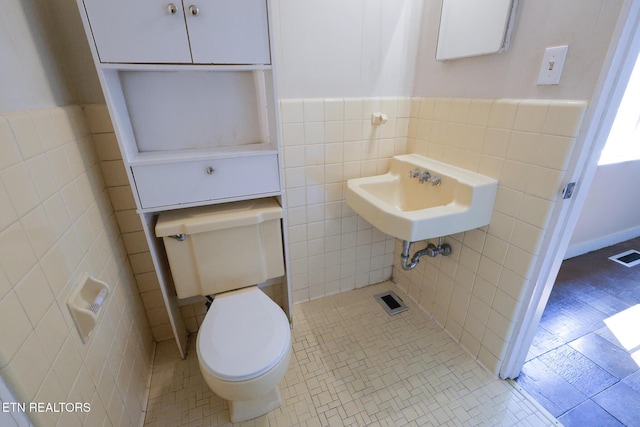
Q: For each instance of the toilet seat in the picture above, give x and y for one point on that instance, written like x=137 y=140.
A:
x=243 y=335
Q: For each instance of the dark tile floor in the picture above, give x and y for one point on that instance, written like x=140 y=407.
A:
x=584 y=364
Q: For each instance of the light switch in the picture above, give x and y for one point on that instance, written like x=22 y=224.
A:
x=552 y=63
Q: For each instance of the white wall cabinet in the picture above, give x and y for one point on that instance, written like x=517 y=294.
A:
x=191 y=94
x=191 y=31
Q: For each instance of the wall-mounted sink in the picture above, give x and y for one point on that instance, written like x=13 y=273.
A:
x=400 y=205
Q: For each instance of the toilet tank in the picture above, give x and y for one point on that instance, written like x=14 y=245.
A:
x=217 y=248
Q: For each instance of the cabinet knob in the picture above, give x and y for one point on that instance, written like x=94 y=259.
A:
x=172 y=9
x=194 y=10
x=209 y=170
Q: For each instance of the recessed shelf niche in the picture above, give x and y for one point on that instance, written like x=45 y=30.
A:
x=192 y=110
x=193 y=113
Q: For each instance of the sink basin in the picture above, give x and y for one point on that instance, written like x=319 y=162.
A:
x=403 y=207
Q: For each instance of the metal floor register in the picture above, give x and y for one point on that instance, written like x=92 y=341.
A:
x=391 y=302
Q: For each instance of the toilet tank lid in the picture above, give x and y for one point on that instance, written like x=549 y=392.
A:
x=217 y=217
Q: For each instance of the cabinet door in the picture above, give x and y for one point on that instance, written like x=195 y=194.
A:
x=143 y=31
x=228 y=31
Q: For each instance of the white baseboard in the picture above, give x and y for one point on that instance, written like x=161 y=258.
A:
x=602 y=242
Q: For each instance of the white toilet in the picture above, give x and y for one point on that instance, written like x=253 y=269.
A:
x=244 y=342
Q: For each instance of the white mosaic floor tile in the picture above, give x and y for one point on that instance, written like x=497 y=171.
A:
x=353 y=365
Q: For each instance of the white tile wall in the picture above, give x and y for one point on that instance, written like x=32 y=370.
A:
x=56 y=222
x=476 y=292
x=326 y=142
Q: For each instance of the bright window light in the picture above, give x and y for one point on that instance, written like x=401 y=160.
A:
x=623 y=143
x=624 y=326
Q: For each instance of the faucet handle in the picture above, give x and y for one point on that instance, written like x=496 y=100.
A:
x=414 y=173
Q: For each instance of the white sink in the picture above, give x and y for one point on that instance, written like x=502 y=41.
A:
x=403 y=207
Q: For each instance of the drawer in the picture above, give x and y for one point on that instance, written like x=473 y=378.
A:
x=177 y=183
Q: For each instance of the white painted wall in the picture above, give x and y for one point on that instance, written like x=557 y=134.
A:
x=336 y=48
x=45 y=56
x=27 y=60
x=611 y=213
x=374 y=48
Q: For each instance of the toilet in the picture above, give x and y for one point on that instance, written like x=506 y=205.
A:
x=244 y=342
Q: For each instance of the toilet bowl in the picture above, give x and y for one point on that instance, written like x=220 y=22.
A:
x=244 y=342
x=244 y=348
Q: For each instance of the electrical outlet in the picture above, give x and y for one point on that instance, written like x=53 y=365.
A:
x=552 y=63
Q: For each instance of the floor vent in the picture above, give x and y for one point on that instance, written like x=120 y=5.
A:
x=628 y=259
x=391 y=303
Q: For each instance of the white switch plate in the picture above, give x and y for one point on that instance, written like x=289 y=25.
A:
x=552 y=63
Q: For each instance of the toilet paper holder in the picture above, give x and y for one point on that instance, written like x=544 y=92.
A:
x=85 y=304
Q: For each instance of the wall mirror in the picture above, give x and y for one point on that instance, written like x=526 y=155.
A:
x=472 y=27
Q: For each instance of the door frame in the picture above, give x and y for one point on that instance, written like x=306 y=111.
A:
x=614 y=76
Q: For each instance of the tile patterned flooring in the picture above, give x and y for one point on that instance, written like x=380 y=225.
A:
x=354 y=365
x=577 y=368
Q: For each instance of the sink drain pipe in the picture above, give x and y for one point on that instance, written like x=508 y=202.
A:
x=431 y=250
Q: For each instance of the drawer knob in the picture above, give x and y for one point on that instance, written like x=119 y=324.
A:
x=172 y=9
x=194 y=10
x=209 y=170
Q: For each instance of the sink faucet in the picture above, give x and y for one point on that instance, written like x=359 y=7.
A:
x=424 y=176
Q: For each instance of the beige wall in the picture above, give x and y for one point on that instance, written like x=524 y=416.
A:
x=477 y=291
x=57 y=222
x=586 y=26
x=128 y=220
